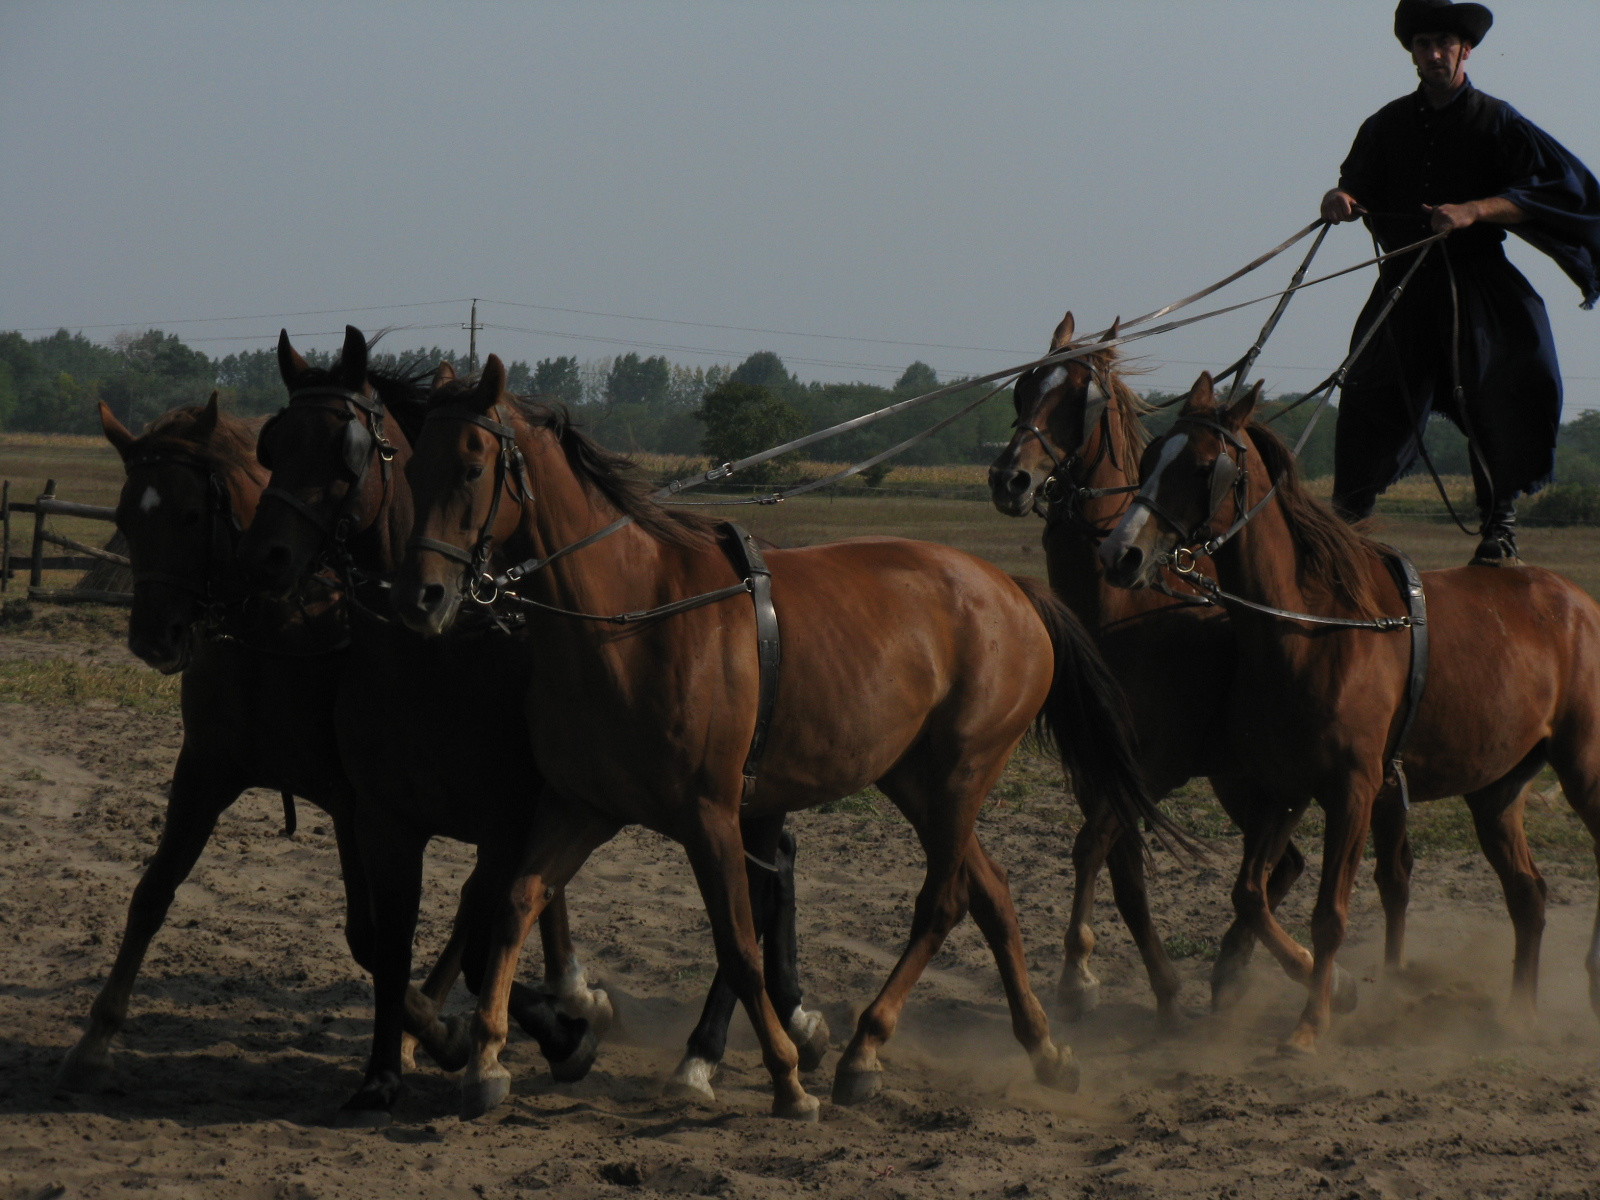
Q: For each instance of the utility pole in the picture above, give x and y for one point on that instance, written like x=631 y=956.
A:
x=472 y=328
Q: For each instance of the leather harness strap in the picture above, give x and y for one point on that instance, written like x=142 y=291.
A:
x=1410 y=583
x=750 y=563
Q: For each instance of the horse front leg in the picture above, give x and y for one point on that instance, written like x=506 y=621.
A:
x=199 y=794
x=560 y=838
x=564 y=974
x=1078 y=990
x=717 y=855
x=1349 y=814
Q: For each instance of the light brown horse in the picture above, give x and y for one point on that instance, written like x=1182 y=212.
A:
x=1513 y=681
x=905 y=664
x=1075 y=457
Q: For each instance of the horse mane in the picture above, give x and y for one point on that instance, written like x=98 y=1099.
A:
x=618 y=478
x=404 y=390
x=230 y=449
x=1331 y=554
x=1132 y=407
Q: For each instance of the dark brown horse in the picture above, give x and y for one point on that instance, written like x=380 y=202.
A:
x=1075 y=456
x=259 y=697
x=905 y=664
x=192 y=483
x=338 y=498
x=1513 y=679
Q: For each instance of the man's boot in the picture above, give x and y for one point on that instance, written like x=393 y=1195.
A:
x=1499 y=545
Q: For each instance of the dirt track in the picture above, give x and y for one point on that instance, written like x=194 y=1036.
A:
x=250 y=1023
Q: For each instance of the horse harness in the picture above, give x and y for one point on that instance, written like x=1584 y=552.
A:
x=1230 y=477
x=738 y=544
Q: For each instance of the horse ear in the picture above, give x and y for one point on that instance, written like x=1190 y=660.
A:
x=1202 y=397
x=445 y=374
x=290 y=365
x=206 y=424
x=1239 y=414
x=352 y=369
x=116 y=432
x=492 y=383
x=1063 y=333
x=1114 y=332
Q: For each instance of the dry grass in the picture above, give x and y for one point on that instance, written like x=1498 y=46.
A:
x=59 y=682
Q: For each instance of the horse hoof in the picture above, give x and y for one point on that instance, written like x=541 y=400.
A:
x=851 y=1086
x=1345 y=991
x=1077 y=999
x=83 y=1074
x=806 y=1108
x=479 y=1096
x=1296 y=1046
x=408 y=1053
x=576 y=1065
x=692 y=1080
x=811 y=1036
x=454 y=1052
x=363 y=1118
x=577 y=999
x=1055 y=1067
x=1228 y=988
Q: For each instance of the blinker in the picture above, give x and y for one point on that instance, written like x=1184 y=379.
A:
x=1224 y=473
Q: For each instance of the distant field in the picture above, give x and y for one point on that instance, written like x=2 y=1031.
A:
x=86 y=469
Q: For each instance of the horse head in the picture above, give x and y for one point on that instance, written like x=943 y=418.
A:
x=1059 y=408
x=334 y=459
x=1191 y=486
x=191 y=485
x=464 y=465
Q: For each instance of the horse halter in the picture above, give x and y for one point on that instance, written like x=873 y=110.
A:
x=510 y=471
x=357 y=446
x=1227 y=476
x=1096 y=412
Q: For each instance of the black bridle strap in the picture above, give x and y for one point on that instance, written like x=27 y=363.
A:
x=418 y=542
x=299 y=506
x=529 y=565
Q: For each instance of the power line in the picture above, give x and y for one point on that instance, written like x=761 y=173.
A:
x=310 y=312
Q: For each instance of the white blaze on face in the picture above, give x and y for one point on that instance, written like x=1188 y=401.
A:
x=1140 y=513
x=1057 y=376
x=150 y=500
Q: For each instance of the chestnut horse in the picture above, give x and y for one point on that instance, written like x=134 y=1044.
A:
x=905 y=664
x=1075 y=457
x=1513 y=678
x=327 y=501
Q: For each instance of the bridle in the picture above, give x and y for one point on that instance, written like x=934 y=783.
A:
x=510 y=474
x=1061 y=493
x=361 y=442
x=1227 y=477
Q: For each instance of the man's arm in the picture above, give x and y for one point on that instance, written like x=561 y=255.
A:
x=1339 y=206
x=1496 y=210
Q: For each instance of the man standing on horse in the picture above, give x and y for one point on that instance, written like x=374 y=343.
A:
x=1470 y=337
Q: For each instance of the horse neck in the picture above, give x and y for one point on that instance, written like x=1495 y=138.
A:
x=619 y=572
x=1073 y=557
x=1262 y=563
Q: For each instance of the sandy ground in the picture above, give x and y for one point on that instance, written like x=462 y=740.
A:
x=250 y=1022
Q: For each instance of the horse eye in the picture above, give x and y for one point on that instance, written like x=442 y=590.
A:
x=473 y=473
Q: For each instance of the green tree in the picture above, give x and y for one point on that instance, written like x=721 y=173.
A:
x=919 y=378
x=764 y=369
x=646 y=382
x=741 y=419
x=558 y=379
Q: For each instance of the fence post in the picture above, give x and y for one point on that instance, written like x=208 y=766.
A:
x=36 y=572
x=5 y=534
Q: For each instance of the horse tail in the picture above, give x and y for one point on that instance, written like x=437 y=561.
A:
x=1085 y=719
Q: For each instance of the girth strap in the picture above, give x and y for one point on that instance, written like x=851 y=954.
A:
x=1410 y=582
x=748 y=561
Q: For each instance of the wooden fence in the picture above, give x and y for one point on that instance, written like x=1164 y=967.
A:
x=38 y=561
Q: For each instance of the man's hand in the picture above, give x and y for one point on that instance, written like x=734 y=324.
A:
x=1497 y=210
x=1338 y=207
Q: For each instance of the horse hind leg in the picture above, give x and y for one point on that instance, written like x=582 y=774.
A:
x=1497 y=812
x=989 y=896
x=1577 y=764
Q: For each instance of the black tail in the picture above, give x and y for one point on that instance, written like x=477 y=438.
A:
x=1086 y=719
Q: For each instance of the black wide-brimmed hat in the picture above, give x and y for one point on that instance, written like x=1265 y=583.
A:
x=1469 y=22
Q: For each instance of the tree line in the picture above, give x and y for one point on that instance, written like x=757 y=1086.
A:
x=50 y=384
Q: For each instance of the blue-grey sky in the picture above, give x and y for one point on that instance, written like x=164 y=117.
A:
x=953 y=174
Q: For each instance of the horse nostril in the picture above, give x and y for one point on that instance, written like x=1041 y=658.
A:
x=1018 y=483
x=1129 y=562
x=430 y=597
